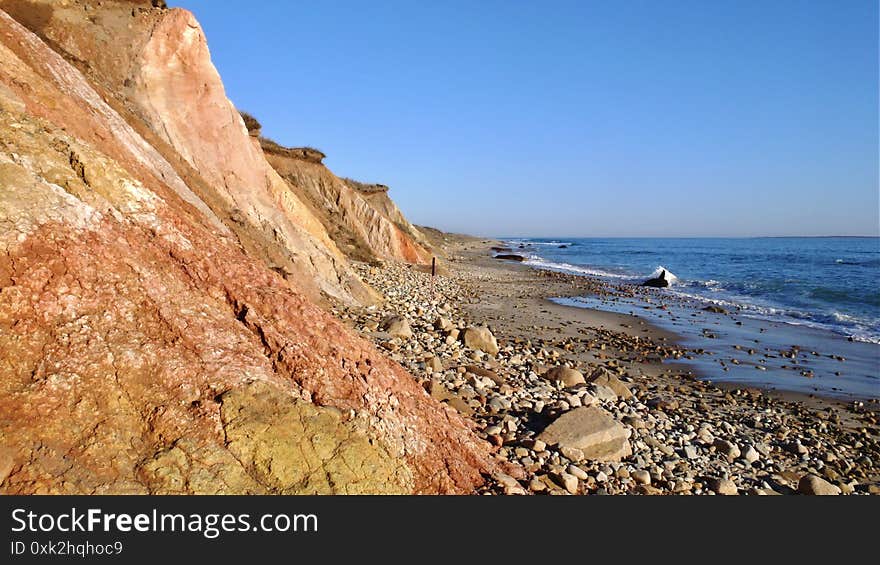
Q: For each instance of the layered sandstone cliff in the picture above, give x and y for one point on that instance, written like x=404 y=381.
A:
x=360 y=229
x=377 y=196
x=154 y=67
x=150 y=341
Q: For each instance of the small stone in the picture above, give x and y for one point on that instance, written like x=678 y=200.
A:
x=729 y=449
x=690 y=452
x=397 y=326
x=663 y=404
x=434 y=364
x=750 y=454
x=577 y=472
x=480 y=338
x=535 y=444
x=723 y=486
x=505 y=480
x=602 y=376
x=537 y=485
x=641 y=476
x=568 y=377
x=603 y=393
x=567 y=481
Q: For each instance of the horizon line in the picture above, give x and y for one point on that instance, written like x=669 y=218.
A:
x=685 y=236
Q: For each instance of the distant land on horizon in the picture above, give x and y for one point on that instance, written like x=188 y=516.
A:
x=687 y=237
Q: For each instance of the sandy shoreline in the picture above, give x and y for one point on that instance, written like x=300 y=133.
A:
x=478 y=254
x=685 y=436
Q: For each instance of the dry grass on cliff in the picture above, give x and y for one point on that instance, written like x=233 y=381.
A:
x=364 y=187
x=251 y=123
x=305 y=153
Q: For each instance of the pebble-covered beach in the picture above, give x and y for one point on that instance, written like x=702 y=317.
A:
x=578 y=401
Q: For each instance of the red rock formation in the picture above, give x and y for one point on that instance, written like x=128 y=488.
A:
x=149 y=61
x=144 y=349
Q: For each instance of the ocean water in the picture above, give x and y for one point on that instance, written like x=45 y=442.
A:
x=818 y=298
x=829 y=283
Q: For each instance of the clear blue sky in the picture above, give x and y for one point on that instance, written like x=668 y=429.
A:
x=575 y=118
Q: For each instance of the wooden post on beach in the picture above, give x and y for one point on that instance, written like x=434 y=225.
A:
x=433 y=272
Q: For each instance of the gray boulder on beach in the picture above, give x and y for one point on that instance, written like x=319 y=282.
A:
x=593 y=431
x=510 y=257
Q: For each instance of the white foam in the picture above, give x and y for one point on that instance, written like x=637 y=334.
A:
x=853 y=326
x=536 y=261
x=669 y=275
x=527 y=243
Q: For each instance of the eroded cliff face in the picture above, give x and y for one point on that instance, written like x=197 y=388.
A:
x=376 y=196
x=359 y=229
x=154 y=67
x=144 y=347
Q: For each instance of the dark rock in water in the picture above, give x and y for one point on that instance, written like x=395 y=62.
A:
x=563 y=247
x=511 y=257
x=500 y=249
x=521 y=246
x=716 y=309
x=658 y=282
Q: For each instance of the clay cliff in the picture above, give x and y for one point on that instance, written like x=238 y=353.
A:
x=159 y=280
x=153 y=66
x=359 y=228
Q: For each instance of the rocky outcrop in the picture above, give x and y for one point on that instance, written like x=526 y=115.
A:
x=155 y=65
x=145 y=348
x=359 y=229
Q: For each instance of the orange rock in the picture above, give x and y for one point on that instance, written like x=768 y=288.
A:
x=147 y=349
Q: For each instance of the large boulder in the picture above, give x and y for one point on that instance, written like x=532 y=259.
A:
x=480 y=337
x=593 y=431
x=568 y=377
x=657 y=282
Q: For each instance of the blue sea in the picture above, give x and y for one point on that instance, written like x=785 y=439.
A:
x=822 y=291
x=826 y=282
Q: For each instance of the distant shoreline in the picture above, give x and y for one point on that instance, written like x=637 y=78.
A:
x=681 y=237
